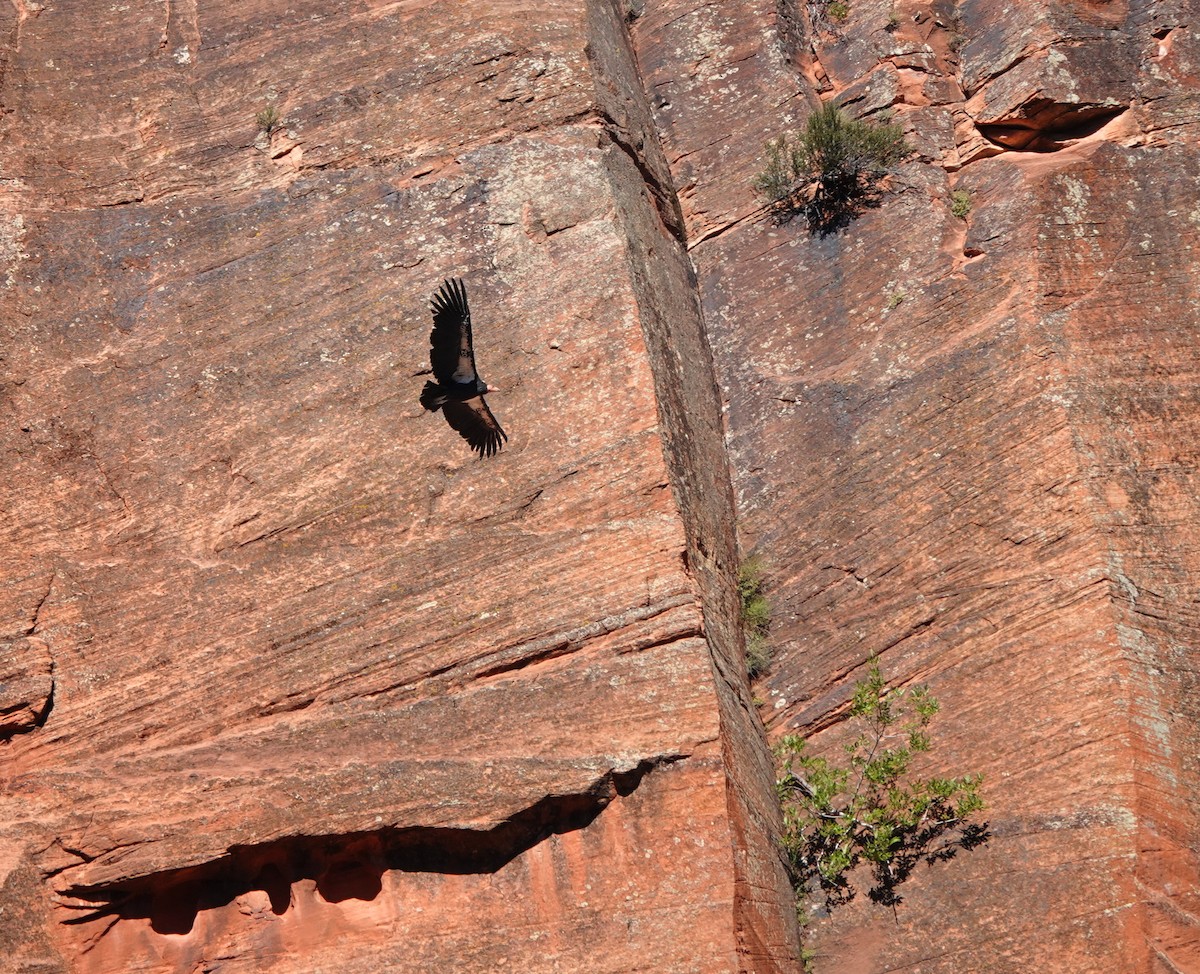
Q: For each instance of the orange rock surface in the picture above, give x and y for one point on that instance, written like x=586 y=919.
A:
x=327 y=691
x=290 y=681
x=969 y=446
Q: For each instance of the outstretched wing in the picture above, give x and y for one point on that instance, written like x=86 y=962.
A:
x=450 y=351
x=475 y=424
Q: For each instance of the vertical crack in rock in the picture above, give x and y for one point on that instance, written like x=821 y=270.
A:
x=668 y=302
x=343 y=866
x=665 y=199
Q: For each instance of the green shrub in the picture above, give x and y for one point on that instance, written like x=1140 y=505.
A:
x=960 y=203
x=831 y=170
x=756 y=616
x=777 y=181
x=268 y=119
x=870 y=810
x=838 y=10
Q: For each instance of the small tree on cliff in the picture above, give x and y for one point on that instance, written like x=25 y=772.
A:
x=871 y=810
x=830 y=171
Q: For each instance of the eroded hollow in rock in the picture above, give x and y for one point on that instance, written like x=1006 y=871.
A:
x=1050 y=126
x=346 y=866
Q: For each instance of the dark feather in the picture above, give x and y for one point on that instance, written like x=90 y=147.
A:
x=459 y=389
x=475 y=424
x=450 y=348
x=432 y=397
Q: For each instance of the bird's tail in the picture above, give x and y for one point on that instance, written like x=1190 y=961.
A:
x=432 y=397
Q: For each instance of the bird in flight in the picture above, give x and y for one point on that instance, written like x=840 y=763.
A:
x=458 y=391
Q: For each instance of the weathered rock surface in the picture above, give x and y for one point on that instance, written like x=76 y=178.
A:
x=328 y=692
x=970 y=447
x=26 y=666
x=26 y=684
x=291 y=682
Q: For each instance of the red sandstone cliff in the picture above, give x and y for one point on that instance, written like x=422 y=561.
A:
x=971 y=446
x=292 y=682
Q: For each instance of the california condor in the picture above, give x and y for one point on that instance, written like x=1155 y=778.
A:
x=459 y=390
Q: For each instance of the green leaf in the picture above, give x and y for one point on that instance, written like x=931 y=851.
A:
x=838 y=160
x=867 y=805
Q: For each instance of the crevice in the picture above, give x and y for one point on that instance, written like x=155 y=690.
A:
x=283 y=529
x=37 y=609
x=346 y=866
x=560 y=644
x=1053 y=127
x=526 y=504
x=41 y=716
x=510 y=659
x=623 y=106
x=665 y=200
x=668 y=296
x=986 y=79
x=140 y=197
x=493 y=58
x=714 y=232
x=791 y=29
x=27 y=676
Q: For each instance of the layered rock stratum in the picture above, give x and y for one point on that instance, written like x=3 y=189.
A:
x=289 y=681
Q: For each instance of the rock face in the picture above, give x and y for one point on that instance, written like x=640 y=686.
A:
x=969 y=446
x=290 y=681
x=327 y=691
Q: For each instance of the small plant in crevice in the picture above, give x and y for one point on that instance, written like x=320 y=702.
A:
x=870 y=810
x=268 y=120
x=832 y=170
x=960 y=203
x=807 y=954
x=838 y=10
x=895 y=299
x=756 y=616
x=893 y=22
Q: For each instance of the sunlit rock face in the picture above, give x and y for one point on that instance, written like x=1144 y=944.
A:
x=968 y=444
x=291 y=681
